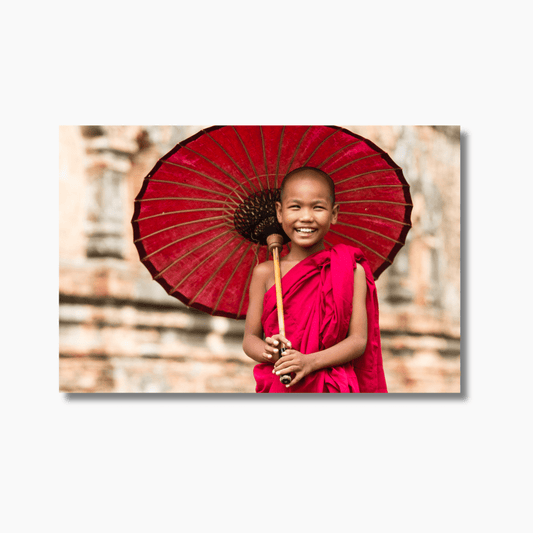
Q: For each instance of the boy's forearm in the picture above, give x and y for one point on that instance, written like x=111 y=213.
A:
x=254 y=347
x=343 y=352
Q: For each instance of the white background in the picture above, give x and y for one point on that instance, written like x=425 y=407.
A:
x=242 y=462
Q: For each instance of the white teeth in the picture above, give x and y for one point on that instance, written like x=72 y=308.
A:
x=305 y=230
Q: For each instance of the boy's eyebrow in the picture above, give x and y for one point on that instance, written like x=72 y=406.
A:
x=315 y=201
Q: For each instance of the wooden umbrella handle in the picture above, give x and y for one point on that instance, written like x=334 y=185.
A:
x=279 y=296
x=275 y=243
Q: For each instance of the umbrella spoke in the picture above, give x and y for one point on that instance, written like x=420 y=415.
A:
x=279 y=154
x=374 y=202
x=203 y=175
x=390 y=169
x=338 y=151
x=352 y=213
x=372 y=187
x=232 y=160
x=248 y=155
x=163 y=198
x=185 y=198
x=297 y=148
x=354 y=161
x=237 y=182
x=202 y=262
x=180 y=212
x=178 y=226
x=235 y=269
x=205 y=230
x=211 y=191
x=215 y=272
x=175 y=262
x=361 y=244
x=369 y=231
x=264 y=155
x=318 y=146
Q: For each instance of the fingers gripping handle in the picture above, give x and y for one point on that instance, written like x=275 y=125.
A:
x=284 y=378
x=275 y=242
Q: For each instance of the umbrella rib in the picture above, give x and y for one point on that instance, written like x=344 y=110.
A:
x=231 y=276
x=180 y=225
x=183 y=184
x=205 y=230
x=170 y=265
x=203 y=262
x=229 y=198
x=200 y=174
x=319 y=145
x=239 y=183
x=339 y=150
x=350 y=213
x=391 y=169
x=297 y=148
x=180 y=212
x=354 y=161
x=232 y=160
x=369 y=231
x=372 y=187
x=228 y=257
x=374 y=202
x=185 y=198
x=161 y=198
x=361 y=244
x=247 y=281
x=264 y=156
x=248 y=155
x=279 y=154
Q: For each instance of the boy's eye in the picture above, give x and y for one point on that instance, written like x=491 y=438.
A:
x=294 y=206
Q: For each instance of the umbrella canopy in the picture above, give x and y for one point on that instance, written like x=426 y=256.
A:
x=204 y=211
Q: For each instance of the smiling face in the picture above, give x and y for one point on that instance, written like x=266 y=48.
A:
x=306 y=210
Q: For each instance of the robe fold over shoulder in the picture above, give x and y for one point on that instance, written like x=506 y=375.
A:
x=318 y=300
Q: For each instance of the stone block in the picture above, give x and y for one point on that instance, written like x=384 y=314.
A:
x=85 y=374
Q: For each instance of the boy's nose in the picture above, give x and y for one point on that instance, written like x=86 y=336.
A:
x=306 y=215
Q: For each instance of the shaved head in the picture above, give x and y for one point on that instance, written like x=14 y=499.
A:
x=313 y=171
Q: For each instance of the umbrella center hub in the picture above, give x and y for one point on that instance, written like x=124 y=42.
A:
x=255 y=218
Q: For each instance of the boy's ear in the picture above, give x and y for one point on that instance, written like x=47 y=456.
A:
x=278 y=211
x=335 y=213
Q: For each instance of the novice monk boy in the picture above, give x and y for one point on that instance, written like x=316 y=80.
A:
x=329 y=297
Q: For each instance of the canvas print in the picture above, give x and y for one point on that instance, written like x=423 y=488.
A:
x=259 y=259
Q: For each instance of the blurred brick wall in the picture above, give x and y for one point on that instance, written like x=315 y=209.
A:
x=120 y=332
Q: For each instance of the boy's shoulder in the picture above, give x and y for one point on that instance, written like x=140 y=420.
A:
x=263 y=269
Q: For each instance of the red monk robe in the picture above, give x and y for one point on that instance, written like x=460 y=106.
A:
x=317 y=301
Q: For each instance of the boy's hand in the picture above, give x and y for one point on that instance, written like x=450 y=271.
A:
x=273 y=346
x=295 y=363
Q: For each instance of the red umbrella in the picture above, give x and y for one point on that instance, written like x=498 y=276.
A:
x=204 y=211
